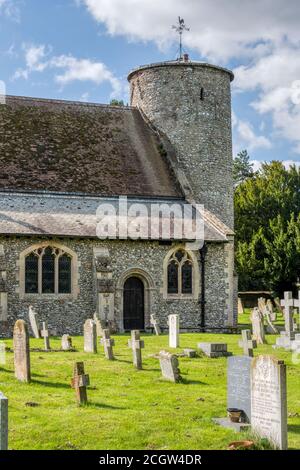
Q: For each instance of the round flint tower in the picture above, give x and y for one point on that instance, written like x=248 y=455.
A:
x=190 y=102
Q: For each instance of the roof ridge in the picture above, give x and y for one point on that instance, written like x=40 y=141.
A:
x=68 y=102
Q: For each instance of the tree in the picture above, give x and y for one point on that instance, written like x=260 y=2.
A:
x=267 y=208
x=242 y=168
x=115 y=102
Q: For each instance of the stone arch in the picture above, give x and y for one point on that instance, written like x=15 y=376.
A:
x=149 y=287
x=74 y=269
x=196 y=274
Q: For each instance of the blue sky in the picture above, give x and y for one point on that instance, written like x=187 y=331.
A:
x=83 y=50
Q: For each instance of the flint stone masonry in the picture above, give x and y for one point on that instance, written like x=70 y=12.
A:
x=214 y=350
x=67 y=314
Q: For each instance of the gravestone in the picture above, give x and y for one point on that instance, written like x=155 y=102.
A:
x=21 y=351
x=269 y=400
x=258 y=330
x=246 y=343
x=3 y=422
x=136 y=344
x=108 y=344
x=66 y=343
x=34 y=322
x=45 y=335
x=266 y=314
x=191 y=353
x=79 y=382
x=288 y=303
x=272 y=312
x=174 y=331
x=297 y=305
x=169 y=366
x=214 y=350
x=90 y=337
x=99 y=327
x=239 y=385
x=154 y=323
x=240 y=306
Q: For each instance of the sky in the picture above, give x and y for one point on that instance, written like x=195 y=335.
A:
x=84 y=49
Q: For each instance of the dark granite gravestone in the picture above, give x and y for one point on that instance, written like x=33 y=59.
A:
x=238 y=384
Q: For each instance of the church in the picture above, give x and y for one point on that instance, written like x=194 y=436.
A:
x=62 y=160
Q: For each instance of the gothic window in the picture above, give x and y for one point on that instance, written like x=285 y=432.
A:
x=48 y=270
x=180 y=273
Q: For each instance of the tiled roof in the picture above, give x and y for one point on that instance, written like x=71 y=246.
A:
x=75 y=216
x=55 y=145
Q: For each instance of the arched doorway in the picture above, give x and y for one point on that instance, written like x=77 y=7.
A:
x=134 y=304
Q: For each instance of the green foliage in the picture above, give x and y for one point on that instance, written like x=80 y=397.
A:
x=115 y=102
x=267 y=208
x=242 y=168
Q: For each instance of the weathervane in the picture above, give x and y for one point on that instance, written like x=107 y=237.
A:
x=180 y=27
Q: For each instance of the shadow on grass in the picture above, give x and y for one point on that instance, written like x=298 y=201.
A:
x=192 y=382
x=102 y=406
x=51 y=384
x=294 y=428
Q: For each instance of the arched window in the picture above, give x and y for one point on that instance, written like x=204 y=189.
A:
x=180 y=273
x=48 y=270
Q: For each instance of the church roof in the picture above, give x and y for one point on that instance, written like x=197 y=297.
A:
x=45 y=214
x=53 y=145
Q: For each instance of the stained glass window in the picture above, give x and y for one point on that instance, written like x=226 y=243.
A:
x=64 y=274
x=31 y=274
x=48 y=274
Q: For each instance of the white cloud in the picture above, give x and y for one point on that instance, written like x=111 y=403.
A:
x=246 y=136
x=38 y=58
x=219 y=30
x=10 y=9
x=287 y=164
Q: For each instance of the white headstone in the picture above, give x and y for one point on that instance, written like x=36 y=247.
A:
x=258 y=331
x=174 y=331
x=288 y=303
x=269 y=400
x=90 y=336
x=34 y=322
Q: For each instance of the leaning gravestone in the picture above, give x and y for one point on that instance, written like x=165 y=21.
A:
x=269 y=400
x=66 y=343
x=154 y=323
x=258 y=331
x=3 y=422
x=108 y=344
x=79 y=382
x=34 y=322
x=169 y=366
x=21 y=351
x=136 y=344
x=174 y=331
x=90 y=337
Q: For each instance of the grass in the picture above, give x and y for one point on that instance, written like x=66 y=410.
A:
x=129 y=409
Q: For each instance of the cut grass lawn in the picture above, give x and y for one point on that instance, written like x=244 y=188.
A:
x=130 y=409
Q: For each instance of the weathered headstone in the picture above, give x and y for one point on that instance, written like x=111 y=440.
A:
x=247 y=344
x=240 y=306
x=90 y=336
x=269 y=400
x=272 y=312
x=21 y=351
x=45 y=335
x=169 y=366
x=66 y=343
x=258 y=330
x=34 y=322
x=266 y=314
x=187 y=352
x=136 y=344
x=174 y=331
x=214 y=350
x=108 y=344
x=239 y=386
x=79 y=382
x=154 y=323
x=99 y=326
x=3 y=422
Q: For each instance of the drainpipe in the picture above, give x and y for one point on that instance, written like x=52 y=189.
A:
x=203 y=253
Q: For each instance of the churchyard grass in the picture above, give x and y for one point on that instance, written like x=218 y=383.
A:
x=128 y=408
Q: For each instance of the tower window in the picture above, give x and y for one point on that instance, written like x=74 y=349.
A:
x=201 y=94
